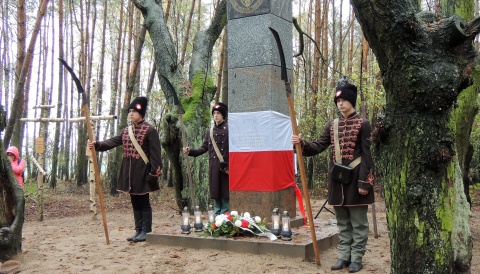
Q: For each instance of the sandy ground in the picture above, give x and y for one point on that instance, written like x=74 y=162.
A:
x=70 y=241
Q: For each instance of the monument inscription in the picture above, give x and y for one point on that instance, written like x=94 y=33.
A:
x=246 y=6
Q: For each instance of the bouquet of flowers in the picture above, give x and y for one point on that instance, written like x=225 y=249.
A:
x=232 y=224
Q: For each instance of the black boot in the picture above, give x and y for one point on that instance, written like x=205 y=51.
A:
x=340 y=264
x=355 y=267
x=146 y=226
x=137 y=215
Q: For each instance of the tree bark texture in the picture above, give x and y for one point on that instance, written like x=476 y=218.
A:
x=195 y=94
x=425 y=62
x=12 y=205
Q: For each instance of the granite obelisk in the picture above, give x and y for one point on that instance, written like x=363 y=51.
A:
x=261 y=155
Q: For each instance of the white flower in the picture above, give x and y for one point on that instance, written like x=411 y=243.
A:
x=234 y=213
x=246 y=215
x=219 y=222
x=258 y=219
x=238 y=223
x=221 y=217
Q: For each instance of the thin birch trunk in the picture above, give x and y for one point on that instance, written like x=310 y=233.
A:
x=91 y=177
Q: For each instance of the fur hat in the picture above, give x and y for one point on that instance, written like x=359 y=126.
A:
x=139 y=104
x=346 y=91
x=222 y=108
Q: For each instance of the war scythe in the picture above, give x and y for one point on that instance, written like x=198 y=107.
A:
x=86 y=111
x=184 y=139
x=298 y=147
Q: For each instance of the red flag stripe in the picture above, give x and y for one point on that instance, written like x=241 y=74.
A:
x=261 y=170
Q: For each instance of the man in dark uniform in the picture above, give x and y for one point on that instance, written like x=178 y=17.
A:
x=351 y=198
x=140 y=167
x=218 y=175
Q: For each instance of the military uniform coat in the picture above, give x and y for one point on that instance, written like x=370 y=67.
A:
x=354 y=134
x=134 y=173
x=219 y=187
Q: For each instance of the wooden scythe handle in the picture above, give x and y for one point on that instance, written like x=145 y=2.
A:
x=86 y=111
x=303 y=177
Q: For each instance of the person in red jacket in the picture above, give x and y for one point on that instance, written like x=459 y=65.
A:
x=18 y=164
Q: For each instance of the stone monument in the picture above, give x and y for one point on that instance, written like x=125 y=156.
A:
x=261 y=154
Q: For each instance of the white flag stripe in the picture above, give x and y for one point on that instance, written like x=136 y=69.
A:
x=259 y=131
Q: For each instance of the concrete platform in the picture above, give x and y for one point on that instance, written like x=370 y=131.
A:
x=301 y=245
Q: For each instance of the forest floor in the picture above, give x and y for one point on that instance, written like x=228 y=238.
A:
x=69 y=240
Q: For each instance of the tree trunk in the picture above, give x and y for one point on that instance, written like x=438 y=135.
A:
x=12 y=205
x=102 y=63
x=21 y=38
x=112 y=168
x=425 y=62
x=187 y=34
x=21 y=35
x=81 y=172
x=463 y=117
x=56 y=142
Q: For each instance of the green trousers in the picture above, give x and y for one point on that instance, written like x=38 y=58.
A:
x=352 y=223
x=221 y=205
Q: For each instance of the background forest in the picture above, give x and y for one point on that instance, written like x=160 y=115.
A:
x=420 y=92
x=108 y=47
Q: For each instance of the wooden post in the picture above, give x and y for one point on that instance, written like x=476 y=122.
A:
x=40 y=149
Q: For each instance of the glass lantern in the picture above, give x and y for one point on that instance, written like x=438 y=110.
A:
x=198 y=225
x=211 y=214
x=286 y=231
x=275 y=222
x=185 y=221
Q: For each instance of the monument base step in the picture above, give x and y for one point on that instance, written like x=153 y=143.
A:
x=301 y=245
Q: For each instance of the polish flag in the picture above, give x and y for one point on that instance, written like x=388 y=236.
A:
x=261 y=152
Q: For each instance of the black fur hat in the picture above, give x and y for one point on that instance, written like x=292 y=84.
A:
x=139 y=104
x=347 y=92
x=222 y=108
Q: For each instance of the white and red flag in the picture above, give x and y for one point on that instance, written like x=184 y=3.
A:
x=261 y=152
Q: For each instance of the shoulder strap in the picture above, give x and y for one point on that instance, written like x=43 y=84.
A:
x=220 y=157
x=136 y=145
x=338 y=156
